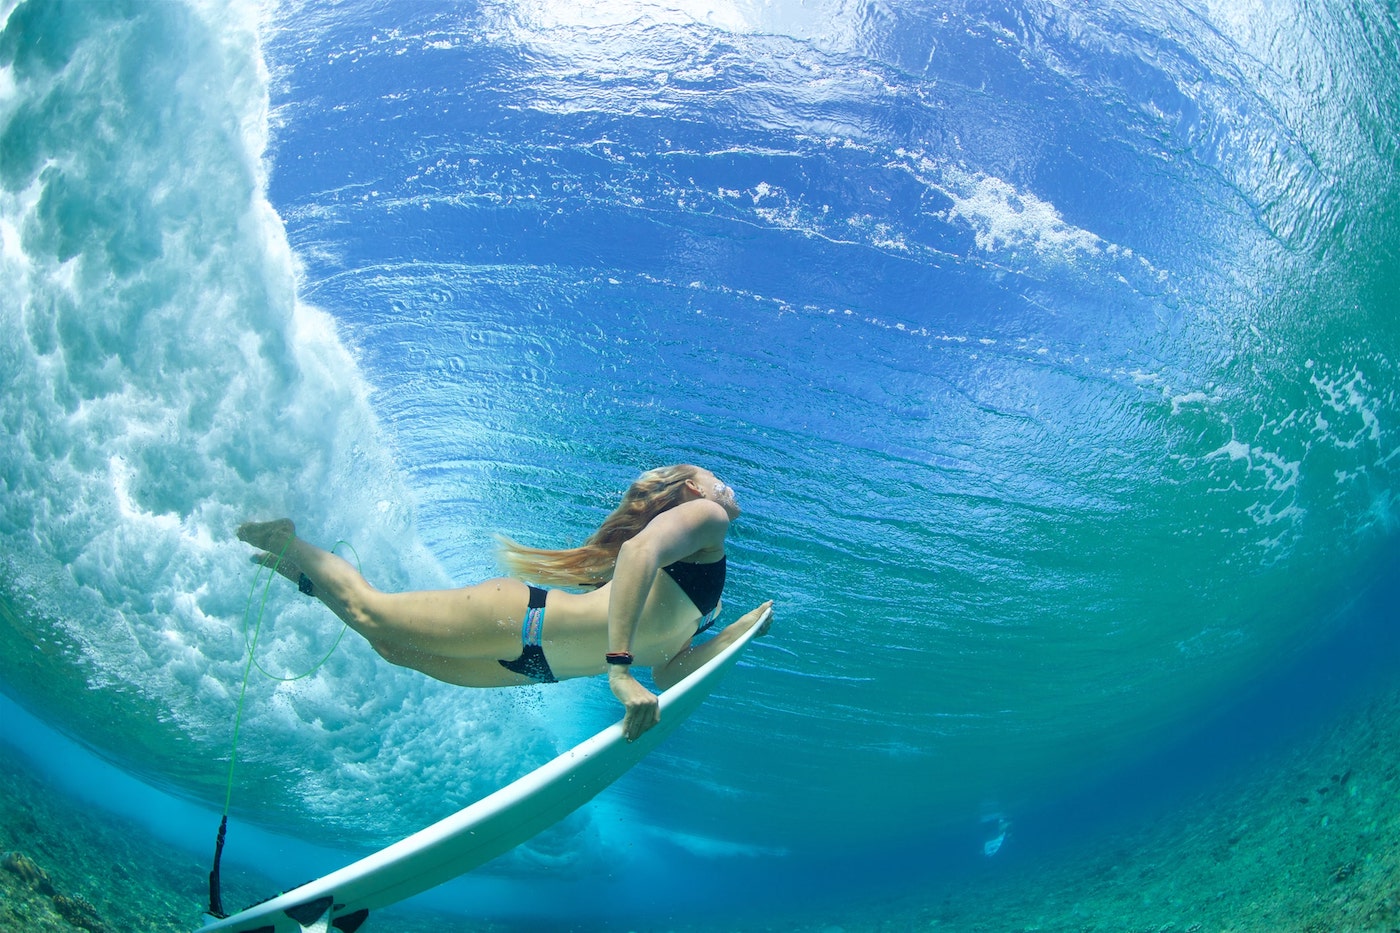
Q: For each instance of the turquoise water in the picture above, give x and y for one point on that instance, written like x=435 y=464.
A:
x=1050 y=346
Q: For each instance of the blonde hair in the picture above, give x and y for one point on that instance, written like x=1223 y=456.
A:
x=592 y=563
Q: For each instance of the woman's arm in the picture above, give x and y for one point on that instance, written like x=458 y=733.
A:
x=673 y=535
x=695 y=656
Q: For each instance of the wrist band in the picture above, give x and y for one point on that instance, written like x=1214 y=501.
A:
x=305 y=585
x=619 y=657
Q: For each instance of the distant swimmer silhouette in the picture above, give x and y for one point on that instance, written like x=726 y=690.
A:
x=656 y=567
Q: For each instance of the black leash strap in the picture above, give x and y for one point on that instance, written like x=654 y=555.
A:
x=216 y=900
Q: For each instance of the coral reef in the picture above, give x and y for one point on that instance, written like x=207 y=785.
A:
x=1304 y=840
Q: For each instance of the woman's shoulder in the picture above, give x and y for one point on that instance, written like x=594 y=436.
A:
x=706 y=511
x=702 y=521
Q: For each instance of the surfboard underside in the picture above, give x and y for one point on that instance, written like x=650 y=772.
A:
x=476 y=834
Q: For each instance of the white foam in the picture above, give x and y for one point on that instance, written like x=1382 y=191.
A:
x=1004 y=218
x=172 y=386
x=1280 y=475
x=1348 y=397
x=592 y=14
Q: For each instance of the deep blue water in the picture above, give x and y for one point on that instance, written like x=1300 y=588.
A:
x=1050 y=346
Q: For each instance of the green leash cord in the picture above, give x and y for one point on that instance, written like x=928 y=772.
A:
x=216 y=906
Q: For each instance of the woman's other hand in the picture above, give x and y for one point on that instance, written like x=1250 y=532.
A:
x=749 y=618
x=643 y=709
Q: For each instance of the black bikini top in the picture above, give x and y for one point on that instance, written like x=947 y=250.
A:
x=701 y=583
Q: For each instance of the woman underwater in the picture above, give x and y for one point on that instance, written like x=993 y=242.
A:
x=494 y=634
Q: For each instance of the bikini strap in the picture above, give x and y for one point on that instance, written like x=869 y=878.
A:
x=532 y=627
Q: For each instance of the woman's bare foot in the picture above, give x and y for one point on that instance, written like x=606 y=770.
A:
x=273 y=536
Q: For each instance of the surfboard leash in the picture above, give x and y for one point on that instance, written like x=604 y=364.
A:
x=216 y=905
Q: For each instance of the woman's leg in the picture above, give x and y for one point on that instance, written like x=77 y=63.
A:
x=464 y=672
x=475 y=622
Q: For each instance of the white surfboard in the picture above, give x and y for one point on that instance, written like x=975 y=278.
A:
x=479 y=832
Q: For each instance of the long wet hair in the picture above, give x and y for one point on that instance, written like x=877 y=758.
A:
x=592 y=563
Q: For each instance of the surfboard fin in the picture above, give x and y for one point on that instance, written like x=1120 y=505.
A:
x=351 y=921
x=315 y=917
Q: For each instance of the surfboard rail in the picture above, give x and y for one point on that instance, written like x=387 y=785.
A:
x=482 y=830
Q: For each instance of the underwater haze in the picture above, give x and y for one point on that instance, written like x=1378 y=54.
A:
x=1051 y=346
